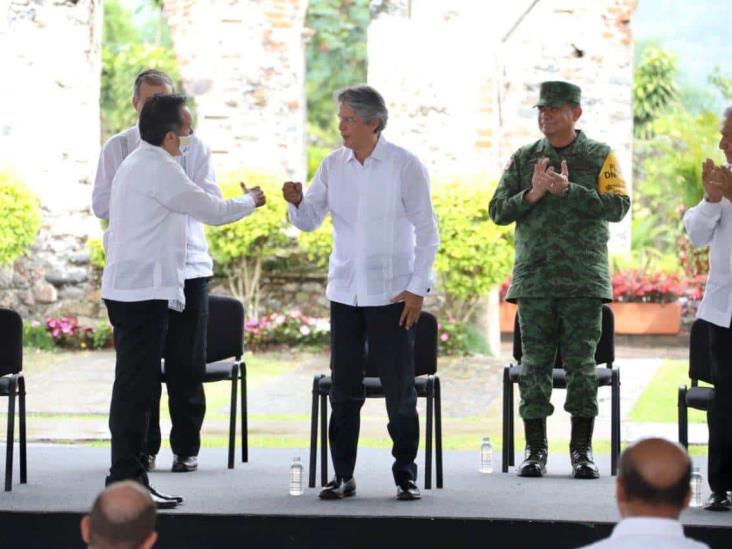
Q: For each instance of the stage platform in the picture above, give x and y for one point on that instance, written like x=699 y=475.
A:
x=250 y=505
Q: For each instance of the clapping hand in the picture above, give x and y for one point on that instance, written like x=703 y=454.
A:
x=558 y=182
x=540 y=182
x=722 y=177
x=712 y=190
x=292 y=192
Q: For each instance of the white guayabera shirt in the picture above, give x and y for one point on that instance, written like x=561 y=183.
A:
x=710 y=224
x=648 y=532
x=146 y=242
x=196 y=162
x=384 y=229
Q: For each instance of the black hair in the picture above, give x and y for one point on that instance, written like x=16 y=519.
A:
x=160 y=114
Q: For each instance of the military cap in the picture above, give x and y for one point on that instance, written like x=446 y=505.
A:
x=556 y=93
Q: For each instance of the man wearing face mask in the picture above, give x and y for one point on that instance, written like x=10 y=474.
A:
x=151 y=202
x=185 y=351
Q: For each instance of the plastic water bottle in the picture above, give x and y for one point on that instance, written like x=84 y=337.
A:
x=696 y=488
x=486 y=456
x=296 y=477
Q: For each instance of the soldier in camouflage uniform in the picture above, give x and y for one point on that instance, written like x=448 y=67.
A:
x=561 y=191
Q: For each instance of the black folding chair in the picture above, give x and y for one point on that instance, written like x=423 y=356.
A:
x=607 y=376
x=224 y=350
x=427 y=384
x=12 y=383
x=696 y=397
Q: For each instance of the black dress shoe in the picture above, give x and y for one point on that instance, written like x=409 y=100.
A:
x=148 y=462
x=154 y=493
x=339 y=488
x=718 y=501
x=408 y=491
x=184 y=464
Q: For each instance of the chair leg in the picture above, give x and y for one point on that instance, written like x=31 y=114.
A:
x=323 y=440
x=428 y=438
x=21 y=414
x=11 y=435
x=244 y=415
x=313 y=434
x=683 y=418
x=506 y=440
x=438 y=431
x=615 y=422
x=232 y=417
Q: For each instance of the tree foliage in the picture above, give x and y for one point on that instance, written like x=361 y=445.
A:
x=127 y=50
x=240 y=249
x=654 y=87
x=20 y=220
x=475 y=254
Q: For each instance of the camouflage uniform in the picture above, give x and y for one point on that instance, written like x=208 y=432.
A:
x=560 y=274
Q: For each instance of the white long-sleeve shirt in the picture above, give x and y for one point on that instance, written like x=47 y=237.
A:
x=710 y=224
x=196 y=162
x=384 y=229
x=645 y=532
x=146 y=242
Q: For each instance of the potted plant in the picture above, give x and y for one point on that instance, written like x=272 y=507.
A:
x=647 y=303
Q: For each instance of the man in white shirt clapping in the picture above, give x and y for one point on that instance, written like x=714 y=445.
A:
x=185 y=350
x=384 y=244
x=146 y=249
x=709 y=223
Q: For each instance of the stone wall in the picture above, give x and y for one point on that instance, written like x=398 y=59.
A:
x=49 y=136
x=244 y=64
x=461 y=77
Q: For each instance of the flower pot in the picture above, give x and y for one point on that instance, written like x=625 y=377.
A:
x=647 y=318
x=507 y=313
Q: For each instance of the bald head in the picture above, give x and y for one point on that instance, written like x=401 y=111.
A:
x=654 y=473
x=123 y=516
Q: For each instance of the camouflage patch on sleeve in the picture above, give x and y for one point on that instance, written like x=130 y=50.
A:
x=610 y=180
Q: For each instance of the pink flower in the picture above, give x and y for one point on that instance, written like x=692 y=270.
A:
x=444 y=337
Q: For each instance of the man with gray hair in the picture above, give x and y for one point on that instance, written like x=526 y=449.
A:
x=384 y=244
x=122 y=517
x=709 y=223
x=652 y=489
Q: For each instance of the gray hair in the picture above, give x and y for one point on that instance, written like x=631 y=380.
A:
x=366 y=102
x=727 y=112
x=153 y=77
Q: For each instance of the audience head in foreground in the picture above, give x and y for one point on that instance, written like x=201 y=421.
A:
x=122 y=517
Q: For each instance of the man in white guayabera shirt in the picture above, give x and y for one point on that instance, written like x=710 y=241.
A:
x=144 y=276
x=384 y=244
x=185 y=350
x=709 y=223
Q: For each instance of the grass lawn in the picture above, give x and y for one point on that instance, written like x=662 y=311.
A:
x=657 y=403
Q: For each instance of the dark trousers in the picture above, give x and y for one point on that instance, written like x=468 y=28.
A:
x=139 y=336
x=185 y=367
x=719 y=415
x=391 y=349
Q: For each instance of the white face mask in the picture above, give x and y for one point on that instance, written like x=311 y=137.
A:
x=185 y=140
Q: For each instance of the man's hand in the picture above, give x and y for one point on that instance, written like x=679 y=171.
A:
x=712 y=191
x=292 y=192
x=559 y=182
x=539 y=182
x=412 y=308
x=722 y=177
x=258 y=195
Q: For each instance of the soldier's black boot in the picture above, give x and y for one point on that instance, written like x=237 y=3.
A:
x=534 y=464
x=580 y=448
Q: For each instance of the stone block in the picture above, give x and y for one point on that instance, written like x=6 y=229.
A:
x=70 y=276
x=45 y=293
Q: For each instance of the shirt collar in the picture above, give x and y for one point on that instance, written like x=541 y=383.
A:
x=379 y=152
x=648 y=526
x=579 y=141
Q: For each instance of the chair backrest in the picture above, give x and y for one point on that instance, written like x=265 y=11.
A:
x=425 y=348
x=604 y=352
x=225 y=332
x=11 y=342
x=699 y=354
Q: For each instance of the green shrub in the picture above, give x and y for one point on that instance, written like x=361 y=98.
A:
x=20 y=220
x=317 y=244
x=96 y=252
x=241 y=248
x=475 y=254
x=37 y=336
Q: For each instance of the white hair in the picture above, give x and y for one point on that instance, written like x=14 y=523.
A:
x=727 y=112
